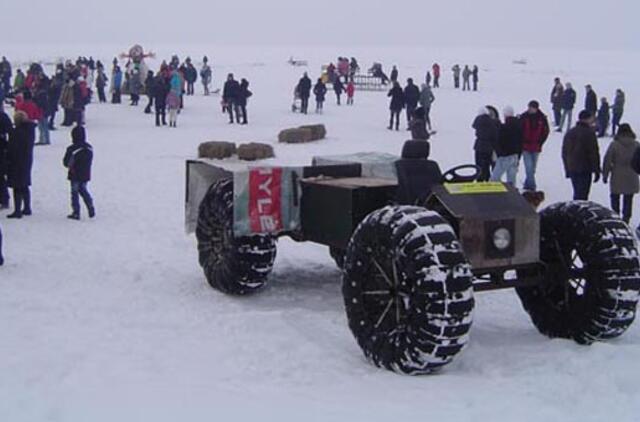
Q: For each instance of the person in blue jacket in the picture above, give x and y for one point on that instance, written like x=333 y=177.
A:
x=116 y=85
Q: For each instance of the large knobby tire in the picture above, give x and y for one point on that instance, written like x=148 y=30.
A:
x=237 y=266
x=407 y=289
x=592 y=281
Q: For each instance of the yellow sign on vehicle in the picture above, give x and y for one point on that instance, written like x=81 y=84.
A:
x=475 y=188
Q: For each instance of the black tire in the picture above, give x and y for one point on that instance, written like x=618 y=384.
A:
x=407 y=289
x=338 y=256
x=236 y=266
x=592 y=282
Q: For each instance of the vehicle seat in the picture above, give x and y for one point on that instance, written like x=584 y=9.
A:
x=417 y=175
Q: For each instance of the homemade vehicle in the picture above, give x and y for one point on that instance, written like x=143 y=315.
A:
x=414 y=245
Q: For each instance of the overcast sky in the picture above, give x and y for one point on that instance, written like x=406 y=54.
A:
x=596 y=24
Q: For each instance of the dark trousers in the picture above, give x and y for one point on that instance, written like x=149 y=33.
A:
x=22 y=200
x=395 y=114
x=427 y=116
x=475 y=85
x=436 y=81
x=243 y=113
x=304 y=105
x=4 y=191
x=116 y=98
x=79 y=189
x=1 y=256
x=627 y=206
x=147 y=109
x=231 y=107
x=52 y=119
x=615 y=123
x=101 y=96
x=319 y=105
x=456 y=82
x=69 y=117
x=338 y=98
x=410 y=110
x=161 y=115
x=581 y=186
x=557 y=115
x=190 y=88
x=484 y=160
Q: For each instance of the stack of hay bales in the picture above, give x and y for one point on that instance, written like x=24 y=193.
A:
x=216 y=150
x=255 y=151
x=303 y=134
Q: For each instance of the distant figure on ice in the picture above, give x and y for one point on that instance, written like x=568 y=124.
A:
x=436 y=75
x=568 y=102
x=535 y=131
x=101 y=83
x=230 y=97
x=320 y=91
x=148 y=88
x=427 y=78
x=5 y=75
x=161 y=88
x=351 y=90
x=486 y=129
x=456 y=76
x=135 y=86
x=190 y=76
x=396 y=105
x=411 y=99
x=475 y=77
x=78 y=159
x=604 y=116
x=508 y=148
x=581 y=156
x=617 y=167
x=557 y=94
x=304 y=92
x=5 y=129
x=426 y=100
x=173 y=105
x=466 y=76
x=243 y=96
x=618 y=110
x=205 y=75
x=338 y=88
x=591 y=100
x=20 y=161
x=116 y=85
x=394 y=74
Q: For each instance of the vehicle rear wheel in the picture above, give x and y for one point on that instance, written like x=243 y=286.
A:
x=236 y=266
x=407 y=289
x=592 y=282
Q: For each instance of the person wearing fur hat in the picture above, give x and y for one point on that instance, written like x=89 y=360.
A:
x=20 y=161
x=78 y=159
x=508 y=148
x=617 y=168
x=581 y=156
x=486 y=129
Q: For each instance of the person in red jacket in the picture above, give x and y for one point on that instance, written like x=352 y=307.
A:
x=351 y=90
x=535 y=131
x=436 y=75
x=24 y=102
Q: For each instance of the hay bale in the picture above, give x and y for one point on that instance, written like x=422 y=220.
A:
x=295 y=136
x=255 y=151
x=318 y=131
x=216 y=150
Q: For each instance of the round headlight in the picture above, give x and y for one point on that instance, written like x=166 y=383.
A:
x=501 y=239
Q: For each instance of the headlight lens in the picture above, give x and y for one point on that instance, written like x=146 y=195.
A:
x=501 y=239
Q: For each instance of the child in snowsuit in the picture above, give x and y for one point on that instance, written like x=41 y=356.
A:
x=351 y=90
x=173 y=105
x=78 y=159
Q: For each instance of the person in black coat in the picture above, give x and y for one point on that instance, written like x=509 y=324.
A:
x=243 y=96
x=397 y=104
x=190 y=76
x=161 y=87
x=591 y=101
x=394 y=74
x=411 y=98
x=148 y=86
x=20 y=160
x=230 y=97
x=55 y=90
x=78 y=159
x=508 y=148
x=304 y=91
x=320 y=91
x=338 y=88
x=418 y=126
x=5 y=129
x=486 y=138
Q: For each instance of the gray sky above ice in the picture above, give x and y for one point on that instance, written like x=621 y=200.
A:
x=596 y=24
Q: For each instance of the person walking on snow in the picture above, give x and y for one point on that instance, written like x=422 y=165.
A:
x=568 y=102
x=205 y=75
x=338 y=88
x=557 y=94
x=591 y=101
x=617 y=168
x=320 y=91
x=304 y=92
x=456 y=76
x=466 y=75
x=581 y=156
x=230 y=94
x=618 y=110
x=20 y=162
x=396 y=105
x=436 y=75
x=508 y=148
x=535 y=132
x=243 y=96
x=475 y=78
x=486 y=138
x=78 y=159
x=351 y=90
x=604 y=116
x=426 y=100
x=411 y=99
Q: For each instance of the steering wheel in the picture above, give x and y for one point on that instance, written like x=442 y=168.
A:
x=458 y=174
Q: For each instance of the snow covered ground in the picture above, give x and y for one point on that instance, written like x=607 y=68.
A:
x=112 y=319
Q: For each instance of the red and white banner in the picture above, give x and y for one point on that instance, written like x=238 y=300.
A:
x=265 y=200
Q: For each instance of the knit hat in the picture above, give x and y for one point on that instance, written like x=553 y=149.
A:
x=534 y=104
x=78 y=134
